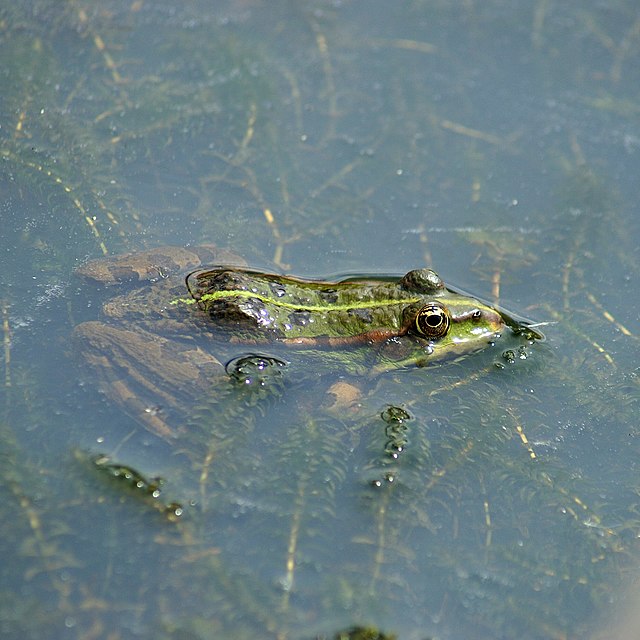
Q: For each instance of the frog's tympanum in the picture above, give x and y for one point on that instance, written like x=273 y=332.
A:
x=159 y=338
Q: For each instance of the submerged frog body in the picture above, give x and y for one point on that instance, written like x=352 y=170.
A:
x=144 y=353
x=153 y=347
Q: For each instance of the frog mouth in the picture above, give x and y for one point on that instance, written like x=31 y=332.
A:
x=522 y=326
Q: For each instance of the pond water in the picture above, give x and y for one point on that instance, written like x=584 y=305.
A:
x=498 y=143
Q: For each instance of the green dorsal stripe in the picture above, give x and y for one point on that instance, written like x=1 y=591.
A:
x=356 y=304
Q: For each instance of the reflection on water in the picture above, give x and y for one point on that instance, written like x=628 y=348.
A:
x=498 y=145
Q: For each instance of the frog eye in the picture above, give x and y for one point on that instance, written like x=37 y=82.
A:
x=432 y=321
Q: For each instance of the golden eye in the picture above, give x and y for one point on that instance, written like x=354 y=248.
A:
x=432 y=321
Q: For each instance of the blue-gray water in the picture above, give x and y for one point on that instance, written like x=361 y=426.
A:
x=498 y=143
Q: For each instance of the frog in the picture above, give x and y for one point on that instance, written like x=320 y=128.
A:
x=175 y=318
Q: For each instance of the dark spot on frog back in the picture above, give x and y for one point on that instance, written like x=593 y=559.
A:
x=299 y=318
x=201 y=283
x=278 y=289
x=364 y=314
x=231 y=315
x=329 y=295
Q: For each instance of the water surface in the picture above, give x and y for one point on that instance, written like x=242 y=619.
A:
x=497 y=143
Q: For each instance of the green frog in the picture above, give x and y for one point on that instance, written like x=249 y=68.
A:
x=171 y=333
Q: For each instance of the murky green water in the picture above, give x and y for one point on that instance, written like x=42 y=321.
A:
x=498 y=143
